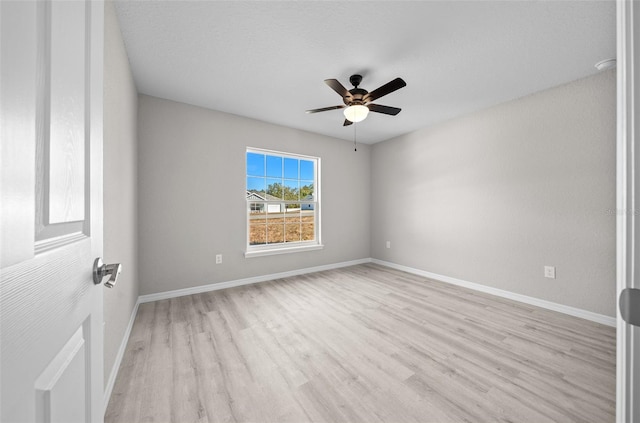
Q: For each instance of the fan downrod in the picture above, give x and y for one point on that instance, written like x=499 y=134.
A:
x=355 y=80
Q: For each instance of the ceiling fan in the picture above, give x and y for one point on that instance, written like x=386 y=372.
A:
x=358 y=101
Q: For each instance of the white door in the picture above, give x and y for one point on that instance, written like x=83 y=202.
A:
x=50 y=210
x=628 y=205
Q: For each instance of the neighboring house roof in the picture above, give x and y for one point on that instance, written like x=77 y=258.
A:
x=261 y=197
x=254 y=196
x=308 y=197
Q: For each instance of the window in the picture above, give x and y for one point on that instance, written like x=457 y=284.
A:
x=283 y=207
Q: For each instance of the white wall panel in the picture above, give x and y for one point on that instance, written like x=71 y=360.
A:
x=495 y=196
x=120 y=189
x=192 y=196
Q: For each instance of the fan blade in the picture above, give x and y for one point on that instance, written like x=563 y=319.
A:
x=387 y=110
x=337 y=87
x=324 y=109
x=387 y=88
x=347 y=122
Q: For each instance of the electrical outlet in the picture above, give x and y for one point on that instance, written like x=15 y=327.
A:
x=218 y=258
x=550 y=272
x=388 y=244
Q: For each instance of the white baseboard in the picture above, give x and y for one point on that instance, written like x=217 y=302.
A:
x=572 y=311
x=239 y=282
x=116 y=365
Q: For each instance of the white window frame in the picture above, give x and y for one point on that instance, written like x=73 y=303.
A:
x=285 y=247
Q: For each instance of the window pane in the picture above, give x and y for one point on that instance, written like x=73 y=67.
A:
x=292 y=208
x=257 y=232
x=256 y=209
x=307 y=214
x=274 y=189
x=291 y=190
x=292 y=232
x=275 y=208
x=307 y=232
x=306 y=169
x=255 y=164
x=291 y=168
x=306 y=190
x=308 y=219
x=274 y=166
x=292 y=214
x=275 y=232
x=256 y=185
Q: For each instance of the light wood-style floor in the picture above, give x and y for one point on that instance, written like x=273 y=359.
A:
x=361 y=344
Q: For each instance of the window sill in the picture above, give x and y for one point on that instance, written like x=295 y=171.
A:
x=285 y=250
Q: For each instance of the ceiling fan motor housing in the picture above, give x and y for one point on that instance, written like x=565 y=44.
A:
x=357 y=94
x=355 y=80
x=356 y=97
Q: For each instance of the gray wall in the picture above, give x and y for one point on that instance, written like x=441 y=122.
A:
x=120 y=187
x=494 y=196
x=192 y=196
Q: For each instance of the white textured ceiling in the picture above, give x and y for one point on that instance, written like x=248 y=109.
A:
x=267 y=59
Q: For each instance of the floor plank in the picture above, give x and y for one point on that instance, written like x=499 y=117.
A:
x=361 y=344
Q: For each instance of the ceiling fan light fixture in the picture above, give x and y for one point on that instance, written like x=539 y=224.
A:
x=356 y=113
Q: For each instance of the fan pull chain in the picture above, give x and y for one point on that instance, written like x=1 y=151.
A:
x=355 y=146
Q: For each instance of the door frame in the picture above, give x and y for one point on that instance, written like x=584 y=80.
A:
x=627 y=193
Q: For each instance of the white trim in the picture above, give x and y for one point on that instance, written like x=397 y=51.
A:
x=283 y=250
x=116 y=365
x=247 y=281
x=257 y=150
x=57 y=242
x=572 y=311
x=627 y=194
